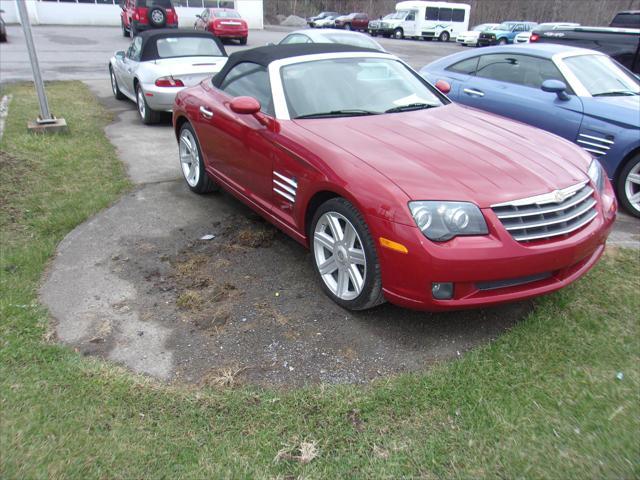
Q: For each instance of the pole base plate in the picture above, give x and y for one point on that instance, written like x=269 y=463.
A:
x=59 y=125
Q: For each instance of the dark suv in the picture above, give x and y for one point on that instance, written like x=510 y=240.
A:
x=139 y=15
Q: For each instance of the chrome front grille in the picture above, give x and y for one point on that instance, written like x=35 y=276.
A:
x=593 y=144
x=548 y=215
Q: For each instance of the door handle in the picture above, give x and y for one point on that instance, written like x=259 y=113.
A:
x=471 y=91
x=206 y=113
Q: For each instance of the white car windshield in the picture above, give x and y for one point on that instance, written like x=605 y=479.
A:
x=505 y=27
x=602 y=77
x=483 y=27
x=354 y=87
x=355 y=40
x=398 y=15
x=172 y=47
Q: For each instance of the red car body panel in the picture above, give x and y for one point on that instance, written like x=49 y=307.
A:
x=222 y=27
x=446 y=153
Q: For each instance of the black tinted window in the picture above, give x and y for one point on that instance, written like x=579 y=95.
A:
x=445 y=14
x=458 y=15
x=431 y=13
x=630 y=19
x=251 y=80
x=519 y=69
x=468 y=66
x=154 y=3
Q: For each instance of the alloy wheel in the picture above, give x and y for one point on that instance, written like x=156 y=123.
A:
x=339 y=255
x=142 y=108
x=632 y=187
x=114 y=86
x=157 y=16
x=189 y=158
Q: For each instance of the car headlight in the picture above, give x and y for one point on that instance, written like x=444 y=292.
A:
x=441 y=221
x=596 y=174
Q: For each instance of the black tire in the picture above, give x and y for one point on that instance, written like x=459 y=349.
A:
x=621 y=181
x=133 y=30
x=373 y=34
x=243 y=41
x=125 y=32
x=157 y=17
x=444 y=36
x=398 y=33
x=114 y=85
x=3 y=38
x=371 y=294
x=205 y=184
x=147 y=114
x=503 y=41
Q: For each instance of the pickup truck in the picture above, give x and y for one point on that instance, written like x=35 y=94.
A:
x=622 y=44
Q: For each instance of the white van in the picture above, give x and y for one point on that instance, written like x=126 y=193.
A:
x=429 y=20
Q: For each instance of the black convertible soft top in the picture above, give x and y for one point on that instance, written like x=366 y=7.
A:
x=266 y=55
x=149 y=38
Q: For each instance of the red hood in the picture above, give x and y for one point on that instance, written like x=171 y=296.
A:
x=458 y=153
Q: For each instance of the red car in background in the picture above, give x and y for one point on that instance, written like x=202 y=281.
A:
x=224 y=23
x=399 y=193
x=353 y=21
x=140 y=15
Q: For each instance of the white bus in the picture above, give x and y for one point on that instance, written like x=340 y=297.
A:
x=429 y=20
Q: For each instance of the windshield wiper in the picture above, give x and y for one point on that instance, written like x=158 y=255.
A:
x=615 y=93
x=354 y=112
x=409 y=107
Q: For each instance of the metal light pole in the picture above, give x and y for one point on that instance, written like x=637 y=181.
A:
x=46 y=121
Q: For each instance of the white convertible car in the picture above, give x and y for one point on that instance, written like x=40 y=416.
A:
x=160 y=63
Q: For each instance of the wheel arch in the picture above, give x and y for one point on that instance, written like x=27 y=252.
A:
x=312 y=206
x=179 y=122
x=627 y=158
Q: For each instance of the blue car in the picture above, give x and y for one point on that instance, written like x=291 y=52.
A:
x=579 y=94
x=504 y=33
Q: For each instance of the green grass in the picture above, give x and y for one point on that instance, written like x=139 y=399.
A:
x=542 y=401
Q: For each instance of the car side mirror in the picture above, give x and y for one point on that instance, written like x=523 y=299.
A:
x=443 y=86
x=270 y=44
x=120 y=54
x=245 y=105
x=557 y=87
x=198 y=16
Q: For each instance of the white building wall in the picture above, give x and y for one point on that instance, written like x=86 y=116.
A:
x=52 y=13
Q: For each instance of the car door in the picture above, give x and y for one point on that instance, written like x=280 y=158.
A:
x=237 y=146
x=409 y=25
x=201 y=23
x=130 y=65
x=509 y=85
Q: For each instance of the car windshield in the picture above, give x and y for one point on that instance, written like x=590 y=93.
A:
x=171 y=47
x=226 y=14
x=353 y=87
x=398 y=15
x=355 y=40
x=505 y=26
x=483 y=27
x=601 y=76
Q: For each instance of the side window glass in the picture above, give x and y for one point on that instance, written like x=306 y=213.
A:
x=411 y=17
x=135 y=49
x=518 y=69
x=252 y=80
x=445 y=14
x=432 y=13
x=458 y=15
x=296 y=39
x=467 y=67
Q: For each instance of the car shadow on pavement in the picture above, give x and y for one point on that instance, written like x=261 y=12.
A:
x=245 y=307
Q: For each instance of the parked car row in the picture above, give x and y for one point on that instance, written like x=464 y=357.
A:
x=452 y=207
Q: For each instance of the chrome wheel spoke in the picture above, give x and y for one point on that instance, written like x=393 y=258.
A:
x=343 y=283
x=336 y=228
x=357 y=256
x=634 y=178
x=325 y=240
x=635 y=198
x=328 y=267
x=356 y=278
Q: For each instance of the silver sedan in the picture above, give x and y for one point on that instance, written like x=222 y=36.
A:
x=160 y=63
x=344 y=37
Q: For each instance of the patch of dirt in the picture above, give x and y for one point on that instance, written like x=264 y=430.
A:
x=246 y=308
x=13 y=171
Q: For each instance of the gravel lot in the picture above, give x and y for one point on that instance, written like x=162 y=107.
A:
x=136 y=285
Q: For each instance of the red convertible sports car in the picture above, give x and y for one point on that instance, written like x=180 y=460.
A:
x=400 y=194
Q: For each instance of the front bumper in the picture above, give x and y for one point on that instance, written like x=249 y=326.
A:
x=480 y=267
x=485 y=42
x=467 y=40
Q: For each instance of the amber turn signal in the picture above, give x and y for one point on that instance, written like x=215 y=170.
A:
x=390 y=244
